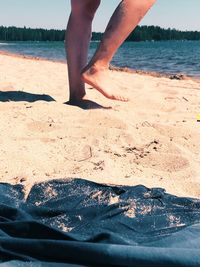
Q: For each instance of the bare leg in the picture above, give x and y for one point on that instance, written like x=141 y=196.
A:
x=125 y=18
x=78 y=36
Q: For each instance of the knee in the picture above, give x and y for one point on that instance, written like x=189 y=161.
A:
x=85 y=8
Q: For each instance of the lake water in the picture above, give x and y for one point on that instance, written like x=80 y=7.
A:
x=169 y=57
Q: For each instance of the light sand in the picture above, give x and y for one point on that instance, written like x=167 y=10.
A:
x=152 y=140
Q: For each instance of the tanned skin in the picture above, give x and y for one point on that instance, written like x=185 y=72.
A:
x=96 y=73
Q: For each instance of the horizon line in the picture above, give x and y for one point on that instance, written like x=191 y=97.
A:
x=37 y=28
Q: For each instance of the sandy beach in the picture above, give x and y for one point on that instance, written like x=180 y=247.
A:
x=152 y=140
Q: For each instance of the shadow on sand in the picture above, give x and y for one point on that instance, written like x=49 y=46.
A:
x=18 y=96
x=86 y=104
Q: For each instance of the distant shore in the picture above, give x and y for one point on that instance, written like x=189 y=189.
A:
x=140 y=33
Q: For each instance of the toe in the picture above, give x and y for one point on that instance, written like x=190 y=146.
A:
x=122 y=98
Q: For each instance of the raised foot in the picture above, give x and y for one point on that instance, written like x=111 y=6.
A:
x=100 y=80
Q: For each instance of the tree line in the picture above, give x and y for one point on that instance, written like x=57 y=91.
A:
x=141 y=33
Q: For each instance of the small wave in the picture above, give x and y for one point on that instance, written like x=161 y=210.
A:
x=4 y=44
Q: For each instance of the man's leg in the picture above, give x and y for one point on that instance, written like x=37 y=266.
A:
x=125 y=18
x=78 y=36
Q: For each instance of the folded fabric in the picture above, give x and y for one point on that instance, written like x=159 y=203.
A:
x=81 y=223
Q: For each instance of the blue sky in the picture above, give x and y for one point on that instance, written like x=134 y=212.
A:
x=179 y=14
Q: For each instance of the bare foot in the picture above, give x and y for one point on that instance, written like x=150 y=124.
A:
x=100 y=79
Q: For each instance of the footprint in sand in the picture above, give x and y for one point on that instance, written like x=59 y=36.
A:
x=78 y=153
x=164 y=162
x=40 y=126
x=164 y=157
x=102 y=121
x=175 y=131
x=182 y=135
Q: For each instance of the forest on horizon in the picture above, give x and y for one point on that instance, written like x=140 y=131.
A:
x=141 y=33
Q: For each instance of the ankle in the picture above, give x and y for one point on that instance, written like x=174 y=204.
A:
x=76 y=95
x=100 y=66
x=96 y=67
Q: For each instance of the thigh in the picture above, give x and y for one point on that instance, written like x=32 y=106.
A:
x=83 y=5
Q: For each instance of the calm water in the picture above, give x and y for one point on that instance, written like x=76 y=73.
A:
x=165 y=57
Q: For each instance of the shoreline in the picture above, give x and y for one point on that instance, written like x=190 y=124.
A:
x=173 y=76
